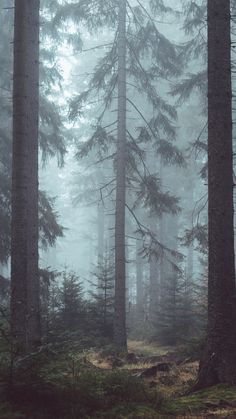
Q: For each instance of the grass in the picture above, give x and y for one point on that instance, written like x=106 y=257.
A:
x=147 y=348
x=211 y=400
x=131 y=411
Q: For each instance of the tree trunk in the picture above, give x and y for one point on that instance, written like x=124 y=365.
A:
x=120 y=339
x=25 y=316
x=101 y=226
x=139 y=283
x=162 y=271
x=218 y=364
x=153 y=277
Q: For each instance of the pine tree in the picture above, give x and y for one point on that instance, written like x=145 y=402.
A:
x=25 y=316
x=50 y=145
x=120 y=282
x=104 y=297
x=71 y=301
x=218 y=363
x=129 y=69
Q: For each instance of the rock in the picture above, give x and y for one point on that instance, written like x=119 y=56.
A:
x=152 y=371
x=164 y=367
x=131 y=358
x=152 y=384
x=117 y=362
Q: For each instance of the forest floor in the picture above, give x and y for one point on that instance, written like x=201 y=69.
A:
x=171 y=374
x=151 y=382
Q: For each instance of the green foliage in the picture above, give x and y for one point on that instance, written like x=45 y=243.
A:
x=194 y=82
x=181 y=315
x=150 y=56
x=103 y=308
x=130 y=411
x=220 y=396
x=151 y=196
x=68 y=386
x=63 y=306
x=96 y=15
x=49 y=227
x=199 y=234
x=101 y=140
x=69 y=319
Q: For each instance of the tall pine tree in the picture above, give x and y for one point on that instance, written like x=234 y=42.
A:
x=218 y=364
x=25 y=317
x=127 y=73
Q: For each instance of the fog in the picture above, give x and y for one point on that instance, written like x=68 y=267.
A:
x=78 y=248
x=117 y=207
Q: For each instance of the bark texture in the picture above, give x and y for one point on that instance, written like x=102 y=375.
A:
x=139 y=282
x=120 y=339
x=153 y=276
x=218 y=364
x=101 y=230
x=25 y=316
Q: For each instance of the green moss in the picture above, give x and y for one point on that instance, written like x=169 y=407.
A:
x=214 y=397
x=130 y=411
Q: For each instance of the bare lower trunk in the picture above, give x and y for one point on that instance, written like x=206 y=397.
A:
x=25 y=319
x=218 y=364
x=153 y=277
x=139 y=283
x=101 y=226
x=120 y=339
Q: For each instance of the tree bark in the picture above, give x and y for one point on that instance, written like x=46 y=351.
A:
x=120 y=338
x=25 y=316
x=153 y=277
x=101 y=227
x=218 y=364
x=139 y=283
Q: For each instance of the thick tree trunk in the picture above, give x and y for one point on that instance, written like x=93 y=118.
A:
x=120 y=339
x=218 y=364
x=25 y=316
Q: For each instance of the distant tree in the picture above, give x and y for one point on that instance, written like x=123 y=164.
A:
x=63 y=305
x=71 y=304
x=218 y=363
x=140 y=286
x=103 y=296
x=128 y=71
x=166 y=313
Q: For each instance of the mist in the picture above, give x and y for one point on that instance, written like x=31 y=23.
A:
x=117 y=256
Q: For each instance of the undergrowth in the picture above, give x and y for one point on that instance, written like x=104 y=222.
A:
x=67 y=385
